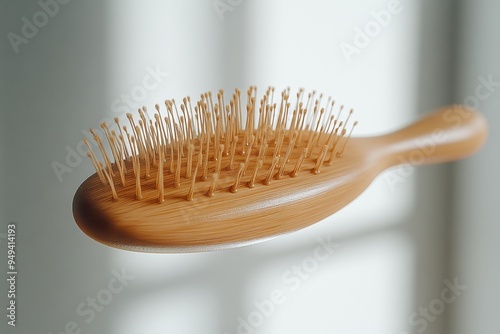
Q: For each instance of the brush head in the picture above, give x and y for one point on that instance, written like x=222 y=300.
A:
x=216 y=175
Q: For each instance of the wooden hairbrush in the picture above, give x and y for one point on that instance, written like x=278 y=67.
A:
x=219 y=175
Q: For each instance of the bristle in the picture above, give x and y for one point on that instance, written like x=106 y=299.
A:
x=121 y=136
x=122 y=148
x=263 y=149
x=161 y=192
x=162 y=131
x=321 y=158
x=279 y=143
x=159 y=133
x=234 y=187
x=341 y=151
x=137 y=173
x=335 y=147
x=111 y=144
x=103 y=152
x=145 y=136
x=334 y=136
x=171 y=143
x=323 y=138
x=205 y=162
x=189 y=161
x=287 y=156
x=190 y=194
x=213 y=185
x=182 y=134
x=303 y=113
x=249 y=152
x=132 y=124
x=218 y=129
x=132 y=153
x=340 y=111
x=348 y=117
x=293 y=124
x=119 y=150
x=229 y=134
x=313 y=139
x=95 y=162
x=211 y=110
x=154 y=138
x=110 y=182
x=269 y=176
x=190 y=109
x=186 y=130
x=219 y=159
x=142 y=148
x=178 y=167
x=233 y=151
x=251 y=183
x=118 y=162
x=266 y=136
x=298 y=164
x=191 y=134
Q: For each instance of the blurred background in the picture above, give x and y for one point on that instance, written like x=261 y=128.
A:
x=416 y=253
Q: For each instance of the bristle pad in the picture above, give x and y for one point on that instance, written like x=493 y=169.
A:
x=223 y=148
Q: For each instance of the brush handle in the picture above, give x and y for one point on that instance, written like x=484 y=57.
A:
x=448 y=134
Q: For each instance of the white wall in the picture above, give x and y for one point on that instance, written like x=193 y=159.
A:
x=477 y=181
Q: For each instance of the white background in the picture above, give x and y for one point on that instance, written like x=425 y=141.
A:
x=397 y=243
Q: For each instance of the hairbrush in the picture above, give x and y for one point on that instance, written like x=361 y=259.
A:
x=217 y=175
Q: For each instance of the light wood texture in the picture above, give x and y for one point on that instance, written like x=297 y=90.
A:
x=224 y=217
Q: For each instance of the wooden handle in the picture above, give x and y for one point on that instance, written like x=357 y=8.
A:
x=449 y=134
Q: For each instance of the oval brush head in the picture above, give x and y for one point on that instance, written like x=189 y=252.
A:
x=219 y=175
